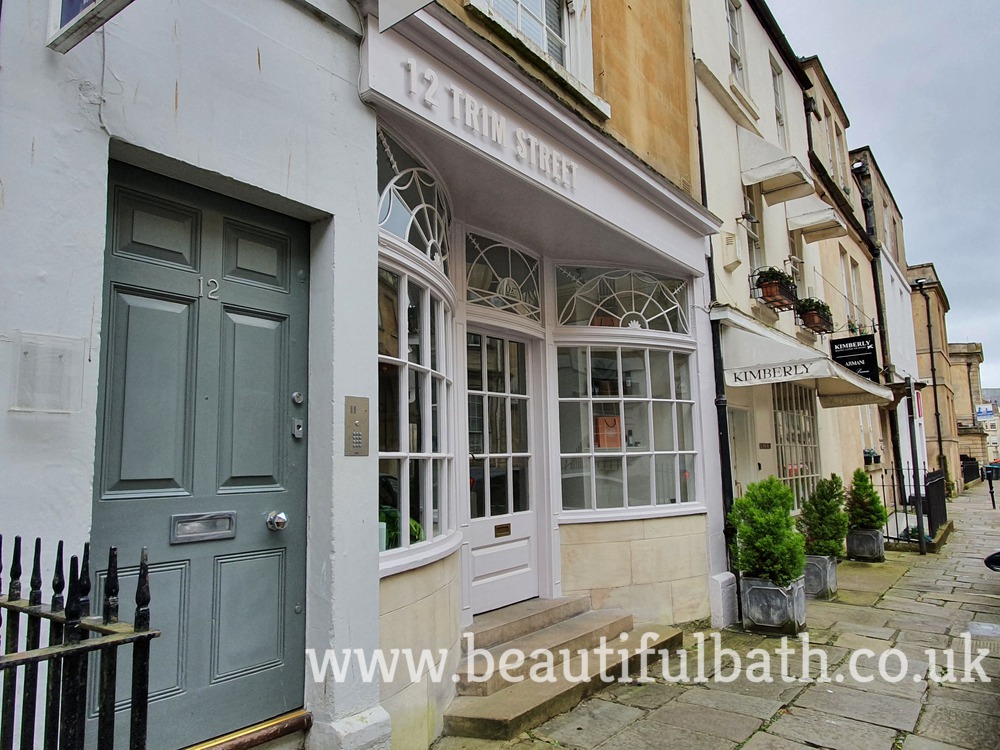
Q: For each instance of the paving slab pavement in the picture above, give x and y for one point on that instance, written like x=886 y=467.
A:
x=893 y=612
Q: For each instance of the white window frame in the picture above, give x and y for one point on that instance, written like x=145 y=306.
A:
x=753 y=204
x=577 y=68
x=408 y=555
x=410 y=262
x=608 y=337
x=737 y=47
x=778 y=84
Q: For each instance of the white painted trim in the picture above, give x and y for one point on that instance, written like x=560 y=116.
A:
x=399 y=561
x=496 y=74
x=632 y=514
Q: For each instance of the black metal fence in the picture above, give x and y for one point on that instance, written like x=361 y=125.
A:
x=899 y=496
x=72 y=636
x=970 y=469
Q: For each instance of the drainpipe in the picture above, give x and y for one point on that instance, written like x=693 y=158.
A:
x=862 y=171
x=942 y=461
x=721 y=402
x=810 y=107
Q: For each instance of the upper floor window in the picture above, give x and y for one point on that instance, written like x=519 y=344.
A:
x=501 y=277
x=779 y=104
x=888 y=227
x=554 y=35
x=411 y=206
x=541 y=21
x=736 y=52
x=753 y=225
x=626 y=299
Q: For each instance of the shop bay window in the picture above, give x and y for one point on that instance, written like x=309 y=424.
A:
x=414 y=393
x=626 y=410
x=626 y=427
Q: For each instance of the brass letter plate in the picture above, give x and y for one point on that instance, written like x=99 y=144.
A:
x=501 y=529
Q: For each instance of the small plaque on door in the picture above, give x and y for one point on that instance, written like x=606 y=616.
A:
x=501 y=530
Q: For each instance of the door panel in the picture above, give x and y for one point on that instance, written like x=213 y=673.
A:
x=150 y=384
x=252 y=375
x=204 y=345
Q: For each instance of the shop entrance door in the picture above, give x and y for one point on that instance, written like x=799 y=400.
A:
x=502 y=509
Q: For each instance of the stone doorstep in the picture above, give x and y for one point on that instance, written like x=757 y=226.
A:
x=527 y=704
x=582 y=632
x=508 y=623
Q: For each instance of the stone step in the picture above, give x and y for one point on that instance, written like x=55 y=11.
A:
x=524 y=705
x=481 y=675
x=508 y=623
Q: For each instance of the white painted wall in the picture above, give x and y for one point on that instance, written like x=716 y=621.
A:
x=902 y=350
x=254 y=98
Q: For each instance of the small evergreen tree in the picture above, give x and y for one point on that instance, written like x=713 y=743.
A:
x=767 y=545
x=823 y=521
x=864 y=506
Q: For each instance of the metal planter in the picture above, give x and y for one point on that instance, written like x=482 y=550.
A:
x=821 y=576
x=866 y=545
x=773 y=610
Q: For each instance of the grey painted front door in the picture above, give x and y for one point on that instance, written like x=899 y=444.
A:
x=202 y=433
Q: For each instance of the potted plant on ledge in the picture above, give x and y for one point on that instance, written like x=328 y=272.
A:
x=775 y=288
x=866 y=517
x=823 y=523
x=871 y=457
x=815 y=315
x=769 y=555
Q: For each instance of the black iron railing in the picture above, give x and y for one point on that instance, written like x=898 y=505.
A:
x=72 y=636
x=936 y=492
x=970 y=470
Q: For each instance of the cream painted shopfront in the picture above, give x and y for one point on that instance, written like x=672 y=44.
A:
x=544 y=419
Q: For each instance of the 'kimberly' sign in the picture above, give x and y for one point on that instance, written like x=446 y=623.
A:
x=857 y=354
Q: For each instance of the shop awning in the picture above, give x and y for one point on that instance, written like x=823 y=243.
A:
x=815 y=217
x=756 y=355
x=780 y=175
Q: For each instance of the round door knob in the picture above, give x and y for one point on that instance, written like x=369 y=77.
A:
x=277 y=520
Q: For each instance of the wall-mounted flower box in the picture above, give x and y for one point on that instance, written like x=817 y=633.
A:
x=815 y=315
x=774 y=288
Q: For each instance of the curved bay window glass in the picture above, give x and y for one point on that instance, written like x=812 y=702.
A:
x=414 y=393
x=501 y=277
x=626 y=427
x=626 y=299
x=410 y=204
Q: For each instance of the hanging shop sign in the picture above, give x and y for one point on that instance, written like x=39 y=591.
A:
x=857 y=354
x=984 y=412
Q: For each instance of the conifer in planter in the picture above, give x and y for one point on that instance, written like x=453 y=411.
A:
x=823 y=523
x=866 y=517
x=769 y=555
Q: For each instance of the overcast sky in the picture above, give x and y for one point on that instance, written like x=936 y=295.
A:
x=918 y=81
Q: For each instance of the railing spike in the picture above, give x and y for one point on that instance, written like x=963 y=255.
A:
x=142 y=593
x=85 y=582
x=35 y=591
x=111 y=586
x=73 y=602
x=58 y=581
x=14 y=586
